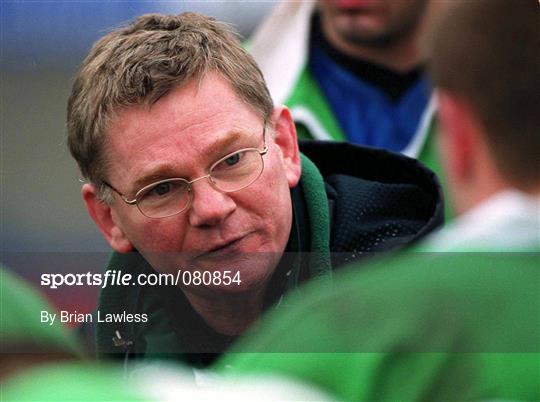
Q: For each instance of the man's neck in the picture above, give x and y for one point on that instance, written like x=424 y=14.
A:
x=228 y=314
x=400 y=55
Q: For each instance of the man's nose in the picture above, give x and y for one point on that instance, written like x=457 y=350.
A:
x=209 y=207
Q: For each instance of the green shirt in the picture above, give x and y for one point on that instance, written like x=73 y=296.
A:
x=423 y=327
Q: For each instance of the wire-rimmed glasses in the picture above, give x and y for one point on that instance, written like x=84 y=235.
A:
x=233 y=172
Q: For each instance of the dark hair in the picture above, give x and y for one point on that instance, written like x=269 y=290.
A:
x=487 y=52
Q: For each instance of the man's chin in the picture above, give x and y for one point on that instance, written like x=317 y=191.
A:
x=368 y=36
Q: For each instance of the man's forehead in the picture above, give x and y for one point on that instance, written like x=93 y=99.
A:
x=198 y=105
x=195 y=120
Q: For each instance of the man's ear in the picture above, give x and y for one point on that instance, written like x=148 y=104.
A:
x=285 y=139
x=102 y=215
x=457 y=136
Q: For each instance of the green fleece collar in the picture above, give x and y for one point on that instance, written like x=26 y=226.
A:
x=319 y=218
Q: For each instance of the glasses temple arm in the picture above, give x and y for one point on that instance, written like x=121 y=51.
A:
x=124 y=198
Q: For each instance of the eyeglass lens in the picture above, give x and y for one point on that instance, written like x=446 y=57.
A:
x=231 y=173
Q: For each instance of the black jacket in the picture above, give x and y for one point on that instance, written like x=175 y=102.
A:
x=379 y=200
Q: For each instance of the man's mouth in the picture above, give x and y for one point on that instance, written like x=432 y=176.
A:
x=222 y=249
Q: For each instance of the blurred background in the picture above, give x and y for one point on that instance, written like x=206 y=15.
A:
x=44 y=226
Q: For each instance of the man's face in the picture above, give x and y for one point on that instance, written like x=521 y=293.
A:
x=372 y=22
x=181 y=136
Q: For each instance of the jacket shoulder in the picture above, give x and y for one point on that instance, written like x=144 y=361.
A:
x=380 y=200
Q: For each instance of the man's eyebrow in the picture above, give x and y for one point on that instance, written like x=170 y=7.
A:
x=225 y=141
x=165 y=171
x=160 y=172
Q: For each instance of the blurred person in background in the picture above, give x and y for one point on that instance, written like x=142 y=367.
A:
x=42 y=360
x=25 y=339
x=191 y=167
x=459 y=318
x=353 y=71
x=349 y=70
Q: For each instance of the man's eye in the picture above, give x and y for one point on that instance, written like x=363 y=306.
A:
x=160 y=189
x=233 y=159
